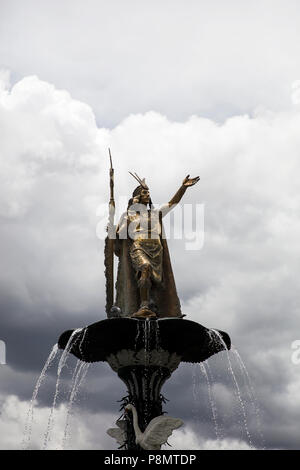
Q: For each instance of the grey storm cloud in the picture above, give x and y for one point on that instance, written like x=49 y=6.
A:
x=54 y=194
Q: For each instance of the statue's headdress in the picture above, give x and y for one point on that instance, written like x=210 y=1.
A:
x=142 y=185
x=139 y=180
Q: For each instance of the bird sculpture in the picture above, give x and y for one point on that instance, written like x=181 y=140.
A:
x=157 y=431
x=118 y=433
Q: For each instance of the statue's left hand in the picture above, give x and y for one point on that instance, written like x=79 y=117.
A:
x=190 y=181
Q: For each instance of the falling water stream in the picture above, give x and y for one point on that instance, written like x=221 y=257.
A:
x=78 y=377
x=204 y=367
x=157 y=335
x=137 y=335
x=196 y=396
x=61 y=365
x=147 y=331
x=251 y=393
x=29 y=418
x=206 y=371
x=238 y=392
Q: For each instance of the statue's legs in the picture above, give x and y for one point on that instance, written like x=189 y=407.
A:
x=144 y=284
x=146 y=257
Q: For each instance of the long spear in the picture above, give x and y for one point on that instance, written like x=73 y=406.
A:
x=109 y=244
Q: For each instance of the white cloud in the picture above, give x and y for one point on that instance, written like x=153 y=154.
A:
x=187 y=439
x=51 y=158
x=87 y=430
x=296 y=92
x=43 y=130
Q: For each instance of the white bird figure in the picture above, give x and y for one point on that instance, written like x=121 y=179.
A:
x=118 y=433
x=157 y=431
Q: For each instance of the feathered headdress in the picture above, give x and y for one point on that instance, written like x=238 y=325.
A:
x=142 y=182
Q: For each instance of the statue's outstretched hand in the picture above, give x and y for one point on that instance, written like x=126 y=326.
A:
x=190 y=181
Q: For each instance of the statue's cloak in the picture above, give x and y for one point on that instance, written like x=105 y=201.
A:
x=163 y=294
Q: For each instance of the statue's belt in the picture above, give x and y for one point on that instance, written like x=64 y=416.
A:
x=148 y=240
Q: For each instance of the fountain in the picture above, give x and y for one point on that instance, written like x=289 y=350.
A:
x=145 y=337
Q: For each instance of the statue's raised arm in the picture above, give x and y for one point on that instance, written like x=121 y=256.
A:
x=186 y=183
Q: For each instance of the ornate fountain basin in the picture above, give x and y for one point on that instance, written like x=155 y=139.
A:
x=185 y=339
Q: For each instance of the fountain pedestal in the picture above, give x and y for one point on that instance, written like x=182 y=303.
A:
x=144 y=372
x=144 y=385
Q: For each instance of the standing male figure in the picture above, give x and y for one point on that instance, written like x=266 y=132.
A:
x=145 y=282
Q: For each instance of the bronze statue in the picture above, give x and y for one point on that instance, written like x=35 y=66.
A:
x=145 y=283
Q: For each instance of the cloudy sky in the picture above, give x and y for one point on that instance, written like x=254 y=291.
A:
x=173 y=87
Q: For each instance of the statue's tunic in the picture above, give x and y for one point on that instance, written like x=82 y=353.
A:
x=147 y=252
x=146 y=248
x=140 y=243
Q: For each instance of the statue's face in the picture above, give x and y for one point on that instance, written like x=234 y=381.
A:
x=144 y=196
